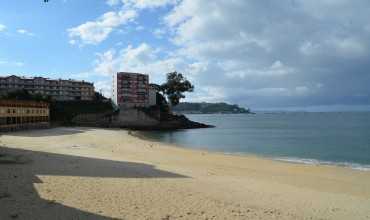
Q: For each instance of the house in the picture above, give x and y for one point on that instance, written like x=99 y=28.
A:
x=59 y=89
x=17 y=115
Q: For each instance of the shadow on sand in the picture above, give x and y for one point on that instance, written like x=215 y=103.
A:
x=49 y=132
x=19 y=198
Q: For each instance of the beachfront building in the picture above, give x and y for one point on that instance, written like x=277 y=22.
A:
x=16 y=115
x=152 y=94
x=59 y=89
x=131 y=90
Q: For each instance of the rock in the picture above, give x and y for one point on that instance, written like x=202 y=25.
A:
x=14 y=216
x=4 y=195
x=167 y=217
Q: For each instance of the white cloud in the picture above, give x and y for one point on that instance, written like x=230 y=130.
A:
x=343 y=47
x=140 y=28
x=278 y=91
x=11 y=63
x=196 y=68
x=112 y=2
x=260 y=52
x=2 y=27
x=241 y=70
x=104 y=86
x=309 y=48
x=159 y=33
x=25 y=32
x=143 y=4
x=106 y=63
x=94 y=32
x=349 y=47
x=145 y=59
x=269 y=47
x=208 y=94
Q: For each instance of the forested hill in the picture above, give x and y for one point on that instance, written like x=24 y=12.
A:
x=208 y=108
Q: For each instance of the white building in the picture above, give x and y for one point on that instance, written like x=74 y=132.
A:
x=57 y=89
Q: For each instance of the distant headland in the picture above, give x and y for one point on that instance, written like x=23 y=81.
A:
x=209 y=108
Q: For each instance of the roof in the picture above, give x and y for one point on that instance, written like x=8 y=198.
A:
x=130 y=73
x=43 y=78
x=19 y=103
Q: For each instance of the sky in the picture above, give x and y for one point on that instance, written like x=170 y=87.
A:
x=267 y=55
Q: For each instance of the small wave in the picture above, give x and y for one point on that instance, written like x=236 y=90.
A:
x=354 y=166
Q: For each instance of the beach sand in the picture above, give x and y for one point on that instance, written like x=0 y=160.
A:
x=88 y=173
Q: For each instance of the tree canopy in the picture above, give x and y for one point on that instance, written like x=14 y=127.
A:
x=24 y=95
x=175 y=87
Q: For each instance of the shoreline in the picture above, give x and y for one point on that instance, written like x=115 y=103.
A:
x=94 y=173
x=282 y=159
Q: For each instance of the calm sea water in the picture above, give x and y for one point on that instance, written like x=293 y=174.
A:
x=316 y=138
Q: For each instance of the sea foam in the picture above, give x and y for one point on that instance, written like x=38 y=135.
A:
x=354 y=166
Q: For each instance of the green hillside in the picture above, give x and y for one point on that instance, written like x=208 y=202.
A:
x=209 y=108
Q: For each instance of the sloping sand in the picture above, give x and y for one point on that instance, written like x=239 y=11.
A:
x=87 y=173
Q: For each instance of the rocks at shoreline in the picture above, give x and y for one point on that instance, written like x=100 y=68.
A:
x=180 y=122
x=138 y=119
x=173 y=122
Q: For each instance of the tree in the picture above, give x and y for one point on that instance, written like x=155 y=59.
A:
x=175 y=87
x=98 y=96
x=25 y=96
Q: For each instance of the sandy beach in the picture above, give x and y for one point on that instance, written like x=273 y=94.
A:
x=88 y=173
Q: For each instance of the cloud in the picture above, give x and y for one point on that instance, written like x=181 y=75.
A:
x=270 y=53
x=159 y=33
x=11 y=63
x=94 y=32
x=143 y=58
x=112 y=2
x=261 y=54
x=25 y=32
x=105 y=64
x=143 y=4
x=2 y=27
x=104 y=86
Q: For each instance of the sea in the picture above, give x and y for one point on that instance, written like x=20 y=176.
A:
x=340 y=138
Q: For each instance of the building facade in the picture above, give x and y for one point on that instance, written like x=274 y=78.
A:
x=130 y=90
x=152 y=95
x=16 y=115
x=59 y=89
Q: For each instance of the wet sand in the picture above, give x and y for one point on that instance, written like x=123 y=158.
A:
x=88 y=173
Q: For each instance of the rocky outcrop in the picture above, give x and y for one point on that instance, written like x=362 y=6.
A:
x=138 y=119
x=133 y=118
x=180 y=122
x=93 y=120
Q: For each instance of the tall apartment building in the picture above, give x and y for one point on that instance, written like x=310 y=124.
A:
x=130 y=89
x=58 y=89
x=15 y=115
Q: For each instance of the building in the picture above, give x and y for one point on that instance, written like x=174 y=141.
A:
x=153 y=89
x=59 y=89
x=16 y=115
x=130 y=90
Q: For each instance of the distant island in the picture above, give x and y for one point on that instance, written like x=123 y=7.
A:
x=209 y=108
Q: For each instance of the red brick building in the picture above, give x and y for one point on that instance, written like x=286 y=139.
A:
x=130 y=90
